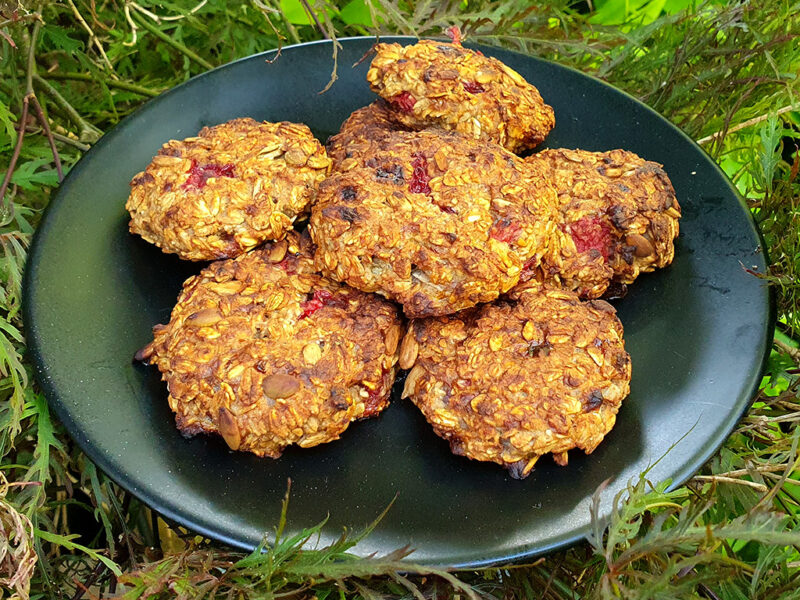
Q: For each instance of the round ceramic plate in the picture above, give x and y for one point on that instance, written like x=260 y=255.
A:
x=697 y=333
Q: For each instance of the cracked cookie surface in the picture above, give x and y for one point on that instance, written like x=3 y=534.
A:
x=228 y=189
x=266 y=352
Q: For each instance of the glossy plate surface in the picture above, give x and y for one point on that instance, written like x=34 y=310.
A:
x=697 y=333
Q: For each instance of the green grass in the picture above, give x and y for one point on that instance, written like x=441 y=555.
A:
x=725 y=72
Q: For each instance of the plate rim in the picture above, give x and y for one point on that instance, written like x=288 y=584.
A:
x=560 y=541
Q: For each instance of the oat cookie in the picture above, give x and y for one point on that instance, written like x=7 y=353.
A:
x=360 y=132
x=510 y=381
x=266 y=352
x=618 y=218
x=434 y=83
x=432 y=219
x=228 y=189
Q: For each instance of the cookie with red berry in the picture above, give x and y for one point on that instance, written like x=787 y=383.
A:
x=434 y=220
x=435 y=83
x=618 y=218
x=266 y=352
x=228 y=189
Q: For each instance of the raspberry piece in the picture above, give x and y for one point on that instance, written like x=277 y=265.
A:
x=286 y=267
x=506 y=231
x=420 y=178
x=200 y=174
x=404 y=101
x=322 y=298
x=527 y=270
x=454 y=33
x=374 y=398
x=473 y=87
x=591 y=233
x=373 y=401
x=318 y=299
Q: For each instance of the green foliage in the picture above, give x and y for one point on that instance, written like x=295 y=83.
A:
x=66 y=542
x=283 y=567
x=724 y=71
x=777 y=210
x=662 y=544
x=641 y=12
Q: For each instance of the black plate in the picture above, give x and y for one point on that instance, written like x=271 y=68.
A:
x=697 y=333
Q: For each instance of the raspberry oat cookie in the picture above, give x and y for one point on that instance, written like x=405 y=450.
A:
x=432 y=219
x=266 y=352
x=435 y=83
x=228 y=189
x=618 y=218
x=510 y=381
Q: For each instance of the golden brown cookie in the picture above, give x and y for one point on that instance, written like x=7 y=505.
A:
x=510 y=381
x=618 y=218
x=228 y=189
x=360 y=132
x=442 y=84
x=432 y=219
x=266 y=352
